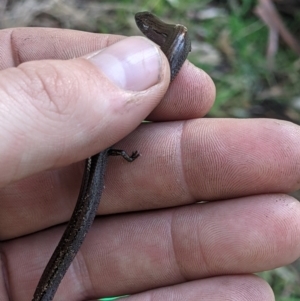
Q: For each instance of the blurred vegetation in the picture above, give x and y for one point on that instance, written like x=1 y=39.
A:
x=229 y=41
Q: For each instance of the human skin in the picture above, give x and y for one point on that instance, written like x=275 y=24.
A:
x=56 y=111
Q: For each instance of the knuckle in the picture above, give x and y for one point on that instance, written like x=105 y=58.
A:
x=48 y=88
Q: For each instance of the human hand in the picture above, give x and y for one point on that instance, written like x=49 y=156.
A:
x=59 y=112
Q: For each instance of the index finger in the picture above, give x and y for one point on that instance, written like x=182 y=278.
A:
x=191 y=95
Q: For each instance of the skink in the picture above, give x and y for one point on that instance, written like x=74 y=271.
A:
x=175 y=43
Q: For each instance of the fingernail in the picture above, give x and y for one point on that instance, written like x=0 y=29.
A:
x=132 y=64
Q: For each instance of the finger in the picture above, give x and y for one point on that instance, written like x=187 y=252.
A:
x=203 y=160
x=180 y=163
x=20 y=45
x=241 y=287
x=191 y=95
x=132 y=253
x=58 y=112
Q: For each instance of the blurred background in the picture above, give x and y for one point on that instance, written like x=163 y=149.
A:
x=250 y=48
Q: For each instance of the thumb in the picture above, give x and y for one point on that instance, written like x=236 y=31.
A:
x=54 y=112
